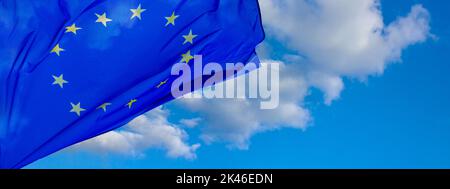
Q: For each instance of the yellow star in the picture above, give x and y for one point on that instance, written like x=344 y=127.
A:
x=187 y=57
x=73 y=28
x=162 y=83
x=57 y=49
x=59 y=81
x=171 y=19
x=102 y=19
x=103 y=106
x=189 y=38
x=76 y=108
x=129 y=104
x=137 y=12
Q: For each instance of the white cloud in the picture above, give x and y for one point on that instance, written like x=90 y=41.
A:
x=151 y=130
x=236 y=120
x=191 y=123
x=342 y=38
x=331 y=40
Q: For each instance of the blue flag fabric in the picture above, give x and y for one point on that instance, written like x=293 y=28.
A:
x=73 y=69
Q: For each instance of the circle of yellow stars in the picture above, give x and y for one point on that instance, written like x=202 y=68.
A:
x=102 y=18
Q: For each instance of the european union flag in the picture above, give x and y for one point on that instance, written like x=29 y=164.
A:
x=73 y=69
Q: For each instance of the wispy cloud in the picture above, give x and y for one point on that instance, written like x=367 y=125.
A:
x=191 y=123
x=151 y=130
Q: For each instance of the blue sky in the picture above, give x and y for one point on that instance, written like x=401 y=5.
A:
x=399 y=118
